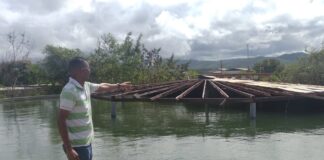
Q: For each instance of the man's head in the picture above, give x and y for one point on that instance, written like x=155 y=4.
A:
x=79 y=68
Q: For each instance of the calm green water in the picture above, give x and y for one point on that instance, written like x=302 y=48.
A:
x=170 y=131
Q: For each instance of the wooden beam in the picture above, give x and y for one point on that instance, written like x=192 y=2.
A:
x=217 y=101
x=273 y=91
x=224 y=94
x=142 y=86
x=137 y=91
x=275 y=98
x=249 y=89
x=154 y=91
x=121 y=93
x=168 y=92
x=203 y=96
x=312 y=96
x=235 y=90
x=186 y=92
x=142 y=90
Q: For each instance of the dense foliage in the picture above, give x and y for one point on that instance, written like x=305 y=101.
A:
x=268 y=66
x=308 y=70
x=131 y=61
x=112 y=61
x=15 y=73
x=55 y=63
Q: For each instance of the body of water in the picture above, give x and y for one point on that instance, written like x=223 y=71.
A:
x=164 y=131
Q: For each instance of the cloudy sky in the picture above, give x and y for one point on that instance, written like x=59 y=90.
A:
x=191 y=29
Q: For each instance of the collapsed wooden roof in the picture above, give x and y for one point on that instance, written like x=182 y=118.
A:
x=206 y=90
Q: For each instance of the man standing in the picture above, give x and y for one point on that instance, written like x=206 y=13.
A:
x=75 y=116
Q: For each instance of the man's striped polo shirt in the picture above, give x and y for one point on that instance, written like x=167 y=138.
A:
x=76 y=99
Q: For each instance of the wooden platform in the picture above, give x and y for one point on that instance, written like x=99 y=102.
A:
x=310 y=91
x=218 y=91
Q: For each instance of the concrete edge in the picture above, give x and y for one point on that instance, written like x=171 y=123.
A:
x=29 y=98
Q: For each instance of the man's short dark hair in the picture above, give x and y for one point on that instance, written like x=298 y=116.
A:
x=76 y=63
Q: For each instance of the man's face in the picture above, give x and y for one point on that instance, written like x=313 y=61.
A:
x=85 y=71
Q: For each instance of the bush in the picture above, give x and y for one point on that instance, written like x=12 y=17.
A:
x=15 y=73
x=55 y=63
x=308 y=70
x=131 y=61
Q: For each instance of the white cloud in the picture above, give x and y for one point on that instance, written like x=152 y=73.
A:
x=174 y=26
x=84 y=5
x=211 y=29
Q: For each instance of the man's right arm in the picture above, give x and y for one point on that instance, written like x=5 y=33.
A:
x=107 y=87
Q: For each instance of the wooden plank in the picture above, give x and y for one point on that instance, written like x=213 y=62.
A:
x=186 y=92
x=275 y=98
x=249 y=89
x=142 y=86
x=204 y=90
x=239 y=100
x=154 y=91
x=291 y=88
x=223 y=93
x=143 y=90
x=312 y=96
x=168 y=92
x=219 y=101
x=235 y=90
x=228 y=100
x=273 y=91
x=137 y=91
x=208 y=100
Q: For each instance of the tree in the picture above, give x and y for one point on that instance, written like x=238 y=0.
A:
x=14 y=73
x=13 y=68
x=56 y=62
x=130 y=60
x=36 y=74
x=308 y=70
x=268 y=66
x=112 y=61
x=19 y=47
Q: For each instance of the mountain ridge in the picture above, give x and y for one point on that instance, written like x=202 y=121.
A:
x=241 y=62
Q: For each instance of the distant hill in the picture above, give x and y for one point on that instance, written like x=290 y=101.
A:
x=241 y=62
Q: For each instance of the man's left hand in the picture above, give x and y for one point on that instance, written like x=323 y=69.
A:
x=126 y=86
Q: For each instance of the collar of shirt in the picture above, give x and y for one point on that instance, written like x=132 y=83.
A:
x=75 y=82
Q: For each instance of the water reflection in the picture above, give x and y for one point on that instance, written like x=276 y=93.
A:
x=135 y=119
x=145 y=130
x=26 y=129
